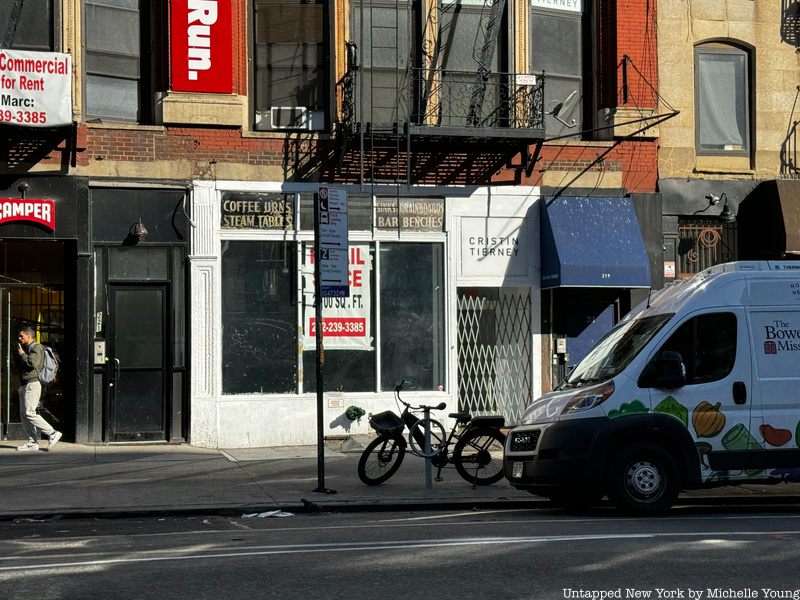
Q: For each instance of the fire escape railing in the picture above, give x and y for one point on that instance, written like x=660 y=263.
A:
x=446 y=98
x=511 y=102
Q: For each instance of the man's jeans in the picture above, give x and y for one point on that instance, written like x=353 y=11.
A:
x=29 y=395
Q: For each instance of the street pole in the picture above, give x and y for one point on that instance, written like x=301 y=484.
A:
x=320 y=357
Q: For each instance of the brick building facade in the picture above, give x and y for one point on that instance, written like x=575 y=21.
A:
x=450 y=151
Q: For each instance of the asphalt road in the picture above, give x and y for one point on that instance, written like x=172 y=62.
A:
x=704 y=552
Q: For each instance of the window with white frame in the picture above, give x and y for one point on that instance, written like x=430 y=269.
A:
x=389 y=329
x=722 y=100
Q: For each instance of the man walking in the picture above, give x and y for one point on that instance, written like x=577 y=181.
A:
x=31 y=360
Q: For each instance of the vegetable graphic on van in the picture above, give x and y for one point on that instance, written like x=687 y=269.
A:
x=670 y=406
x=775 y=437
x=634 y=408
x=708 y=420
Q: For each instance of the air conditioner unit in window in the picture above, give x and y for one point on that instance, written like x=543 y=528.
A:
x=290 y=117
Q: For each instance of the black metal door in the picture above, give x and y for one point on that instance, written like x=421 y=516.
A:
x=138 y=359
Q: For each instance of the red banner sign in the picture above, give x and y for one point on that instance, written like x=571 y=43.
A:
x=202 y=49
x=35 y=211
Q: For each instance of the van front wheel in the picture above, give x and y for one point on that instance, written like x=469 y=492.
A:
x=642 y=478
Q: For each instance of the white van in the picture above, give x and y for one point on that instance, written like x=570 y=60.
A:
x=699 y=386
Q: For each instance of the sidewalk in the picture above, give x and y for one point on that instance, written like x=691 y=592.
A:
x=161 y=479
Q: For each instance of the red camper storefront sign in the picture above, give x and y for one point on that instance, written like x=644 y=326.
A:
x=202 y=51
x=33 y=211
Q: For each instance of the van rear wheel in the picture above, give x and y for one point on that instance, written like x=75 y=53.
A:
x=642 y=478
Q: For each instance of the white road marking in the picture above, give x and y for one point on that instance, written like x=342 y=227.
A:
x=361 y=547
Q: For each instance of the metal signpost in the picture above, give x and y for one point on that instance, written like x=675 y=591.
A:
x=330 y=281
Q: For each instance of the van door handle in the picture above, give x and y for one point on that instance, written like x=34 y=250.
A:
x=739 y=392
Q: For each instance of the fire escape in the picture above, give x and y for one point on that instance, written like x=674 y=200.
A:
x=401 y=106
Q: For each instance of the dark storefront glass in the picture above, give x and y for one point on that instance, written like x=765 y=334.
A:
x=412 y=315
x=259 y=318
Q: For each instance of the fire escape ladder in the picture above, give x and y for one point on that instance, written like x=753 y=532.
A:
x=485 y=61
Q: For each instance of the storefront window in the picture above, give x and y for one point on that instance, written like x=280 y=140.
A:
x=348 y=334
x=412 y=315
x=259 y=318
x=269 y=317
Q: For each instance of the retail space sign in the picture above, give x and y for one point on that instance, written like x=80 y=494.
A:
x=346 y=323
x=202 y=51
x=333 y=246
x=34 y=211
x=35 y=88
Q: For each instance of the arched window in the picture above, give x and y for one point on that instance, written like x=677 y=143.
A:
x=722 y=99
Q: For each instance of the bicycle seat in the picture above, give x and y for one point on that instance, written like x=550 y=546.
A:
x=440 y=406
x=460 y=417
x=490 y=421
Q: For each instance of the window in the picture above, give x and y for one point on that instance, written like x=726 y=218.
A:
x=412 y=315
x=261 y=308
x=259 y=318
x=722 y=100
x=383 y=32
x=557 y=42
x=290 y=68
x=27 y=26
x=116 y=61
x=707 y=345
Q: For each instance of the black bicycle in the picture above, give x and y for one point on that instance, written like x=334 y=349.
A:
x=477 y=454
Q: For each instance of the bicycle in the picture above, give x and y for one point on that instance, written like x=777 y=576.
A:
x=477 y=454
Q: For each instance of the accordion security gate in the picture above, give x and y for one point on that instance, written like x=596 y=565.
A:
x=494 y=351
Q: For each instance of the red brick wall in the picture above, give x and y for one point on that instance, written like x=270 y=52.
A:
x=627 y=28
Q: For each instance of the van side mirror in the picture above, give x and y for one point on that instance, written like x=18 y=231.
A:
x=665 y=371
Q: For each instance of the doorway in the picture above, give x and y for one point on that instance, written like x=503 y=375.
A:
x=138 y=362
x=495 y=369
x=32 y=294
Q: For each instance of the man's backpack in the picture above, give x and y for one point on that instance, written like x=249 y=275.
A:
x=50 y=365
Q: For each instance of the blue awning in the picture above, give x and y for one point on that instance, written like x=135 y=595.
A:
x=592 y=241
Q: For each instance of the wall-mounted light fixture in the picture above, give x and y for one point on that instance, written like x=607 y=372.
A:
x=23 y=188
x=725 y=216
x=138 y=229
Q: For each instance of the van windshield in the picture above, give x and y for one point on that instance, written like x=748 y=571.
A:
x=615 y=351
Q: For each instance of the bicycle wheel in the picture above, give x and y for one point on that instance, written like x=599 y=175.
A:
x=417 y=438
x=381 y=459
x=478 y=456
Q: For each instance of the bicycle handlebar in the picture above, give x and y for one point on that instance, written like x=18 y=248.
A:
x=399 y=388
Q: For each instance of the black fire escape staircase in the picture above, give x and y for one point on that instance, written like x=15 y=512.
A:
x=425 y=100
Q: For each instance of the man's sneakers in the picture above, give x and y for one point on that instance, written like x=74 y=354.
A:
x=54 y=437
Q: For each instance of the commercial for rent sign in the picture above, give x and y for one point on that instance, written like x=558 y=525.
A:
x=347 y=321
x=202 y=51
x=35 y=88
x=34 y=211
